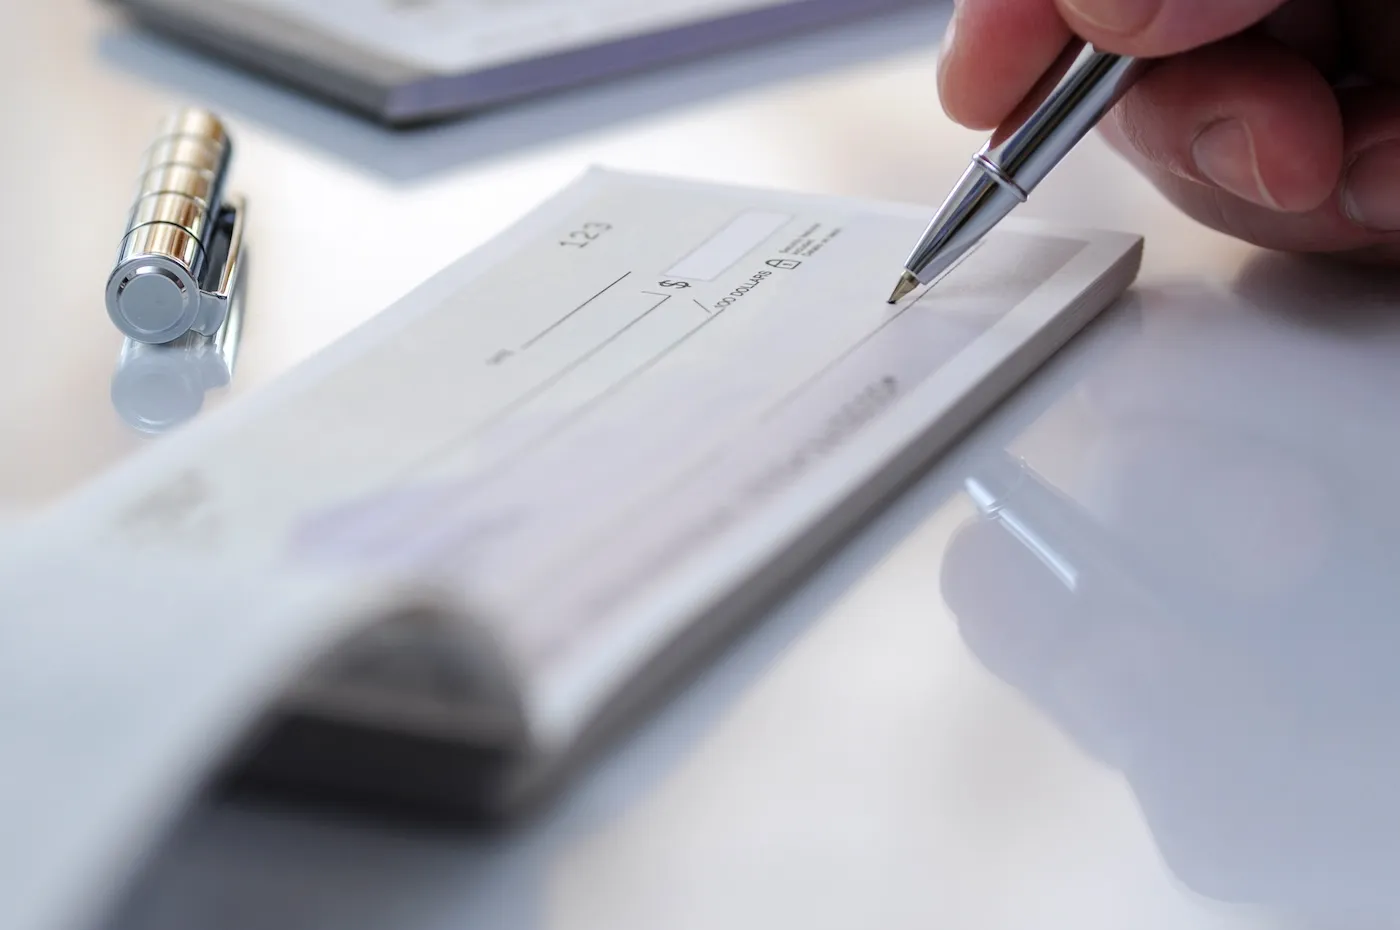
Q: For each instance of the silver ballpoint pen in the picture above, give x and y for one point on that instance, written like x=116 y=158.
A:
x=1071 y=99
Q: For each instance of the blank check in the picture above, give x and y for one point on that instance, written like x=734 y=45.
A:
x=625 y=418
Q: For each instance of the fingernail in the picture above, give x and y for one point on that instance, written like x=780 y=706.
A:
x=1123 y=17
x=1371 y=196
x=1224 y=154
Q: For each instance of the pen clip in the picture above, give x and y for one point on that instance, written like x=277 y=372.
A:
x=223 y=276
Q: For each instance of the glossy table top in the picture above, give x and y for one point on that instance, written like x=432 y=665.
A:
x=1171 y=704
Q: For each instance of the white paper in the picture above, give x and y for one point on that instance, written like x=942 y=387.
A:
x=467 y=35
x=123 y=684
x=588 y=446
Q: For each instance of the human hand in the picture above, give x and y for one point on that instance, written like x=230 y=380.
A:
x=1243 y=126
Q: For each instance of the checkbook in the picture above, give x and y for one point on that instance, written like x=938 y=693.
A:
x=601 y=443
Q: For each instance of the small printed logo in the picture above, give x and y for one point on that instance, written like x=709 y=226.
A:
x=784 y=264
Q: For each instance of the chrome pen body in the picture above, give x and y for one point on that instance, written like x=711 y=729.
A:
x=1068 y=102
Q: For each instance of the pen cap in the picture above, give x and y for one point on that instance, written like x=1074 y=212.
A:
x=171 y=255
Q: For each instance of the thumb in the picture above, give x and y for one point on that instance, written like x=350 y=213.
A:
x=1155 y=28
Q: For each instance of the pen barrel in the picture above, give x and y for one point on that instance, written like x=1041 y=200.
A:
x=155 y=290
x=1073 y=98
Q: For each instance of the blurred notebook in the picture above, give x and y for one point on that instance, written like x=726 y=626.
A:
x=408 y=61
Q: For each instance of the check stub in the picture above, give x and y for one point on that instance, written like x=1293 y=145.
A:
x=619 y=414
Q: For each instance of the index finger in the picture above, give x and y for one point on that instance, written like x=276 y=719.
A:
x=997 y=50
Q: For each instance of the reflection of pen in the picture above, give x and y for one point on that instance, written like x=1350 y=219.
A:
x=1067 y=103
x=158 y=387
x=1064 y=537
x=1008 y=492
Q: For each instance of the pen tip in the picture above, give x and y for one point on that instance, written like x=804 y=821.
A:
x=904 y=288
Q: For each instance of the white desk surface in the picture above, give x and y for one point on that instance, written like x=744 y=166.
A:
x=934 y=731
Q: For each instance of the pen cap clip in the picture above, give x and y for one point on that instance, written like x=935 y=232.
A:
x=179 y=256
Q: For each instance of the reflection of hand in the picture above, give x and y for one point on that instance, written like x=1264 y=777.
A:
x=1226 y=638
x=1240 y=124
